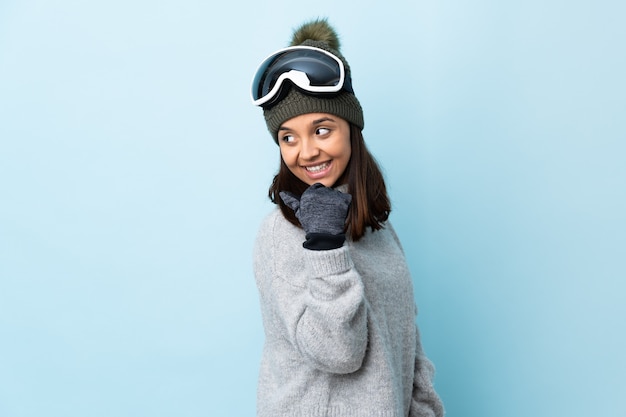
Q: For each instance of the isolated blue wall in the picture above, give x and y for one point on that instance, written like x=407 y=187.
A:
x=133 y=172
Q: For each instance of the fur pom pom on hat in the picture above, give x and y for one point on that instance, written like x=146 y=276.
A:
x=316 y=30
x=317 y=33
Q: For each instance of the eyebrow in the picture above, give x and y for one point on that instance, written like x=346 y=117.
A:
x=313 y=123
x=322 y=120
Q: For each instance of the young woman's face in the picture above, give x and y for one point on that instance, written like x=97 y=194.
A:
x=316 y=147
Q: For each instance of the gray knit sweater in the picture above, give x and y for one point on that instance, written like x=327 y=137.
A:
x=340 y=332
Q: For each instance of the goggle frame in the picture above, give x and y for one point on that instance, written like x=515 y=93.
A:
x=298 y=78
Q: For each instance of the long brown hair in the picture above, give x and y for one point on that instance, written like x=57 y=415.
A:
x=370 y=203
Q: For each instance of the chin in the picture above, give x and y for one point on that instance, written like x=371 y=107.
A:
x=327 y=182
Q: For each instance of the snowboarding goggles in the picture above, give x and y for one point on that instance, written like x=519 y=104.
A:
x=314 y=70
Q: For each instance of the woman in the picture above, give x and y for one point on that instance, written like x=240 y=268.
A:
x=335 y=290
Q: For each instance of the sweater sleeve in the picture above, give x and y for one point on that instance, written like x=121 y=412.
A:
x=314 y=299
x=332 y=329
x=425 y=402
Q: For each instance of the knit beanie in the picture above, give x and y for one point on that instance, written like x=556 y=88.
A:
x=317 y=33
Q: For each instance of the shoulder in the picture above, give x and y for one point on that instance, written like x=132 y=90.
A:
x=265 y=233
x=269 y=221
x=384 y=240
x=278 y=250
x=387 y=233
x=276 y=231
x=274 y=223
x=264 y=246
x=392 y=232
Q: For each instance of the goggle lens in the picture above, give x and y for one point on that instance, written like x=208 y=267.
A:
x=312 y=69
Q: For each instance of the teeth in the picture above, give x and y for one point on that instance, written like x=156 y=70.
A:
x=317 y=168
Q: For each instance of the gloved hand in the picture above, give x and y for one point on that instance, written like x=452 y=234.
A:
x=322 y=212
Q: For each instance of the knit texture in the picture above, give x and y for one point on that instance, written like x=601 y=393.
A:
x=320 y=209
x=340 y=333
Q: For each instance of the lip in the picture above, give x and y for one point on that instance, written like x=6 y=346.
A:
x=317 y=174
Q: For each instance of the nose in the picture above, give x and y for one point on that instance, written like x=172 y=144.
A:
x=309 y=150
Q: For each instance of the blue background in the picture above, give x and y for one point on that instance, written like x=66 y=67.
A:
x=134 y=170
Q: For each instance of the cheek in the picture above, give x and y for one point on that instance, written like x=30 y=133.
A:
x=346 y=157
x=284 y=154
x=289 y=157
x=344 y=151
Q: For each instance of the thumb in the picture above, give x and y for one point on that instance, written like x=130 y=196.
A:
x=291 y=200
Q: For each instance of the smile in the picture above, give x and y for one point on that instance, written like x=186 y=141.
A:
x=317 y=168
